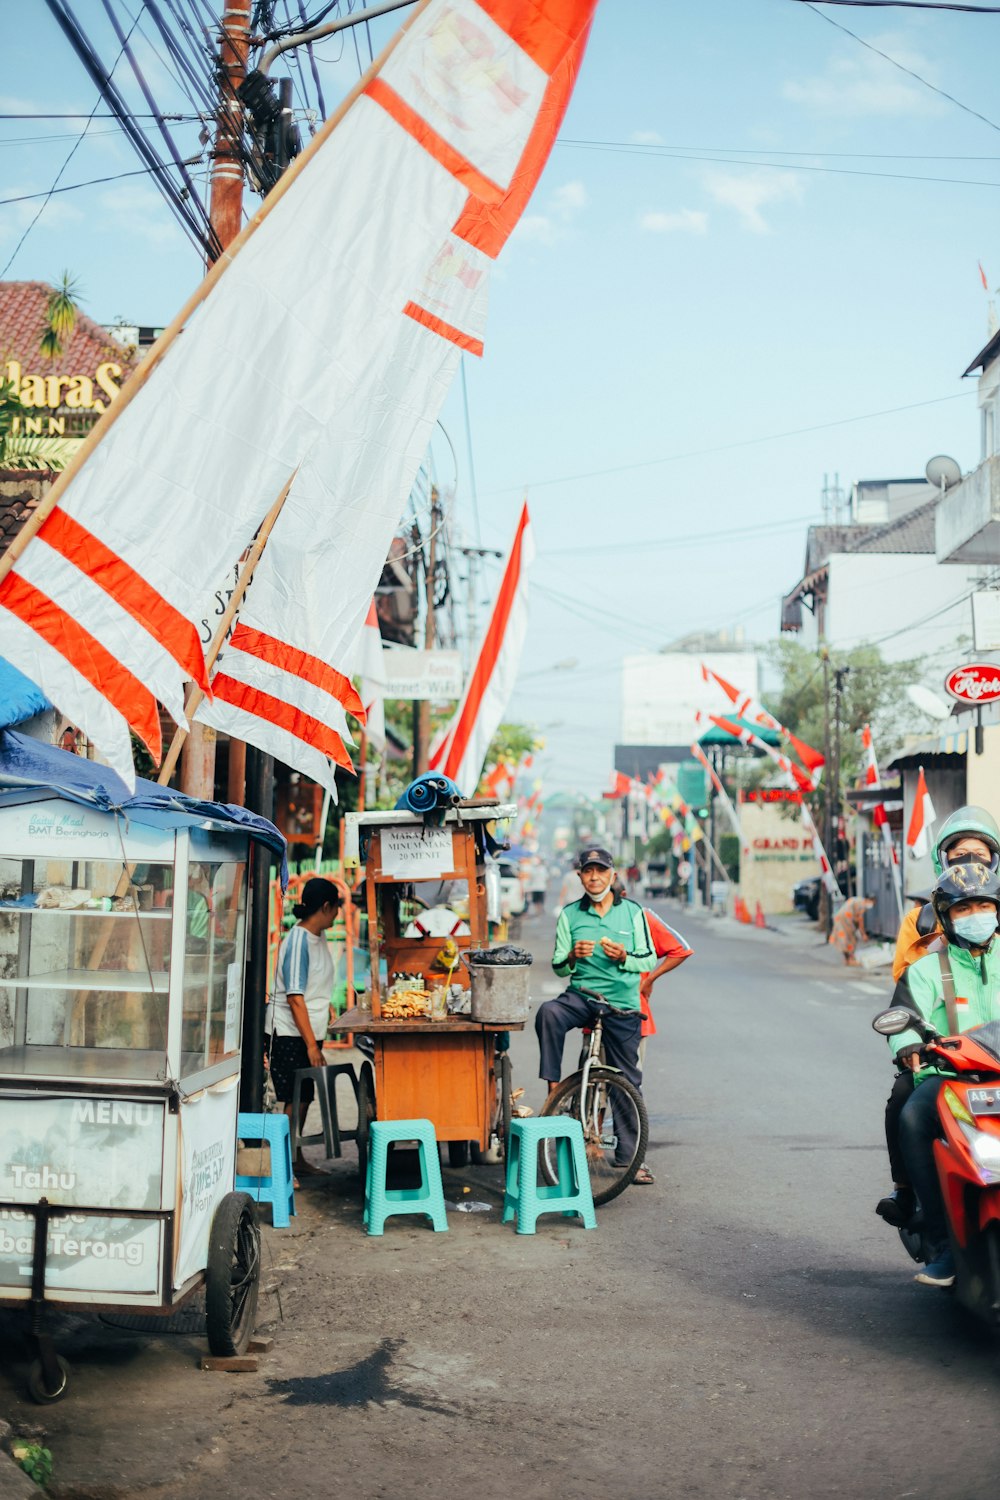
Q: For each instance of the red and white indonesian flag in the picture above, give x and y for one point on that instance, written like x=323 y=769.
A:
x=461 y=750
x=372 y=671
x=323 y=350
x=747 y=707
x=918 y=835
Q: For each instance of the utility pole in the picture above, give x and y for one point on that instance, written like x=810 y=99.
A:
x=226 y=213
x=422 y=706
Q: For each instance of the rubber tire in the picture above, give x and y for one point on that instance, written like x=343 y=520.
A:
x=506 y=1088
x=366 y=1114
x=235 y=1233
x=616 y=1080
x=458 y=1153
x=36 y=1382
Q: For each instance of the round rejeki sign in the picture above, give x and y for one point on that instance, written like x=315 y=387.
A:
x=975 y=682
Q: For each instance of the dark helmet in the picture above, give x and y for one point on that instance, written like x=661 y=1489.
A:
x=965 y=882
x=967 y=822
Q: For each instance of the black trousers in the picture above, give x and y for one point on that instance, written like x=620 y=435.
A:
x=919 y=1128
x=622 y=1034
x=899 y=1097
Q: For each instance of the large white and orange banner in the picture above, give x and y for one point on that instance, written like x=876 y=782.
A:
x=461 y=749
x=322 y=351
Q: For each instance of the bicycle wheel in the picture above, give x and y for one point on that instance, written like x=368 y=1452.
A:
x=614 y=1107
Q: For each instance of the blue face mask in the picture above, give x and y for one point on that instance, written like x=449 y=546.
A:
x=977 y=928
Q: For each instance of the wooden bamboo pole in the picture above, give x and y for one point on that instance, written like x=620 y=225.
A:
x=195 y=694
x=132 y=387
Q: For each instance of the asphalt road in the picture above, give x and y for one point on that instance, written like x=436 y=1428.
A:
x=744 y=1328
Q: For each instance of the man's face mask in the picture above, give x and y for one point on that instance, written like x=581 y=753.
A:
x=977 y=928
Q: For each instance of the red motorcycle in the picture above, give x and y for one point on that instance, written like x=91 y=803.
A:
x=967 y=1155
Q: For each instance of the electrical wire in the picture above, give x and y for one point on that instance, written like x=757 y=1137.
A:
x=772 y=437
x=975 y=10
x=55 y=181
x=72 y=187
x=870 y=46
x=656 y=148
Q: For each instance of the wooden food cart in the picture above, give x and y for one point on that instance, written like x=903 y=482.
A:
x=446 y=1069
x=122 y=950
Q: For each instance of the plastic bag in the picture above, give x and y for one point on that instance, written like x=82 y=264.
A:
x=505 y=956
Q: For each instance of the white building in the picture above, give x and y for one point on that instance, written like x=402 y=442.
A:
x=661 y=693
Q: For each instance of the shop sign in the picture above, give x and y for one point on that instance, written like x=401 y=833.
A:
x=974 y=682
x=421 y=674
x=417 y=853
x=208 y=1165
x=77 y=392
x=771 y=794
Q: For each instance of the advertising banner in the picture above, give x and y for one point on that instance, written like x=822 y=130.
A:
x=96 y=1153
x=208 y=1168
x=86 y=1253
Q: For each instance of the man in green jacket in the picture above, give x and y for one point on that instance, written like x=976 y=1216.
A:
x=603 y=945
x=954 y=990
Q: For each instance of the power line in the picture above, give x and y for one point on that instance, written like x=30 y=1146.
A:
x=671 y=154
x=902 y=66
x=976 y=10
x=772 y=437
x=656 y=148
x=71 y=187
x=740 y=533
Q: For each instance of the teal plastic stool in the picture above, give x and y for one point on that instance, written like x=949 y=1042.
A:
x=381 y=1202
x=276 y=1189
x=525 y=1196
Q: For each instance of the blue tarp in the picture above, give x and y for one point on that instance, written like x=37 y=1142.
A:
x=29 y=766
x=20 y=698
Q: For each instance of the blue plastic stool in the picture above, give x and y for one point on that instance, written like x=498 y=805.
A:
x=524 y=1196
x=276 y=1189
x=428 y=1198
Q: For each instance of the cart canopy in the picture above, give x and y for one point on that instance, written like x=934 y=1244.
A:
x=31 y=771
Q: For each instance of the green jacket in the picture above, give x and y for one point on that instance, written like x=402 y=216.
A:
x=977 y=993
x=625 y=923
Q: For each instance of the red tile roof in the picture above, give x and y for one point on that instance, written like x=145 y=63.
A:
x=22 y=323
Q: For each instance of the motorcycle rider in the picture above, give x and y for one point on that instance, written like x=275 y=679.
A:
x=971 y=833
x=954 y=990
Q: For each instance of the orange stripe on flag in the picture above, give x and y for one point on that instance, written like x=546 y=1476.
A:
x=542 y=28
x=446 y=330
x=488 y=226
x=128 y=588
x=86 y=654
x=275 y=711
x=298 y=663
x=435 y=145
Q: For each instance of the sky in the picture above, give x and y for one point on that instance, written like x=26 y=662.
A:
x=752 y=261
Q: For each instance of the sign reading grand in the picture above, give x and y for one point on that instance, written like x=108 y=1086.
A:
x=974 y=682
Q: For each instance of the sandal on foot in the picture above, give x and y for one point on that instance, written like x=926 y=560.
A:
x=644 y=1177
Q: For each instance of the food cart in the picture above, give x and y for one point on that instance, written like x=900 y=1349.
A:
x=122 y=950
x=433 y=1063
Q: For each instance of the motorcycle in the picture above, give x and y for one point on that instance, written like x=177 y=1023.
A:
x=967 y=1155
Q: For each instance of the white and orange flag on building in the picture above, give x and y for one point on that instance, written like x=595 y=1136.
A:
x=922 y=819
x=319 y=354
x=880 y=817
x=461 y=748
x=745 y=706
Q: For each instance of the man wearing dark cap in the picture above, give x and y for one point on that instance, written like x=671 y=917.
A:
x=603 y=945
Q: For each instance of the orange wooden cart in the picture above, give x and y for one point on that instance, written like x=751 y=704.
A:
x=449 y=1071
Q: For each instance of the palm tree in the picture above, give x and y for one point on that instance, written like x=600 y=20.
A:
x=17 y=451
x=60 y=316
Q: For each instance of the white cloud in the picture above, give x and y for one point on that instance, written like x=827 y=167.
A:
x=558 y=213
x=134 y=208
x=748 y=192
x=864 y=84
x=684 y=221
x=646 y=138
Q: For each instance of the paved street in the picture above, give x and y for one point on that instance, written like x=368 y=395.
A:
x=746 y=1327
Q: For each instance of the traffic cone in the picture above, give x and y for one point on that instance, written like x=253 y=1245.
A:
x=758 y=920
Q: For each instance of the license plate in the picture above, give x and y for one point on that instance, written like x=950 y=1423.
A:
x=983 y=1101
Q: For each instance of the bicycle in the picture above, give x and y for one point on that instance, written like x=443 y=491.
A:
x=604 y=1102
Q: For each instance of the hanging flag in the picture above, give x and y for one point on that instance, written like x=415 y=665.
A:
x=620 y=786
x=461 y=749
x=748 y=707
x=754 y=742
x=724 y=798
x=922 y=819
x=371 y=669
x=431 y=160
x=982 y=276
x=879 y=815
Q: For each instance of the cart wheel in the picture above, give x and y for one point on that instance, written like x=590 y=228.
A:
x=366 y=1114
x=232 y=1276
x=458 y=1153
x=37 y=1389
x=506 y=1089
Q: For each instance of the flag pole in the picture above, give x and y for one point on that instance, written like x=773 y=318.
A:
x=196 y=694
x=132 y=387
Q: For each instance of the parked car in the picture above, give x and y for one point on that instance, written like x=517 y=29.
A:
x=805 y=897
x=658 y=878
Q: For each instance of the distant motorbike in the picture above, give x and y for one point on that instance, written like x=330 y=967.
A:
x=967 y=1156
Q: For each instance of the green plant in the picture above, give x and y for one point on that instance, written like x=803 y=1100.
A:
x=34 y=1459
x=17 y=450
x=60 y=317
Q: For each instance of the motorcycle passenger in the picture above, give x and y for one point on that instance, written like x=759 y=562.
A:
x=602 y=944
x=966 y=902
x=968 y=834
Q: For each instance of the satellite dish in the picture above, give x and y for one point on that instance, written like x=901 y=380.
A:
x=942 y=472
x=928 y=703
